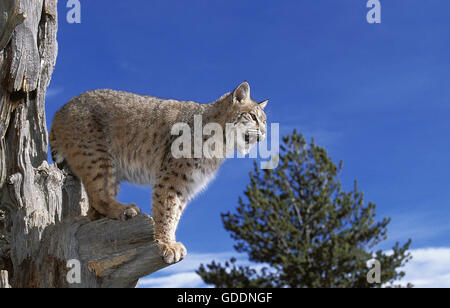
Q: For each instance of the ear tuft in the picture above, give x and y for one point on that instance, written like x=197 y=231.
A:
x=263 y=104
x=242 y=93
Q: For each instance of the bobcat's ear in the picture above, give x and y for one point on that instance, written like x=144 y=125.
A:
x=242 y=93
x=263 y=104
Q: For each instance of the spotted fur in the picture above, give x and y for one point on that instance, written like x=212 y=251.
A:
x=107 y=137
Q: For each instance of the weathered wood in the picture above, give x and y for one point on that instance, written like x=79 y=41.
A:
x=4 y=282
x=40 y=205
x=9 y=19
x=120 y=253
x=111 y=253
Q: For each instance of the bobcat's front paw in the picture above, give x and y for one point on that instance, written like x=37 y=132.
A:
x=129 y=212
x=172 y=252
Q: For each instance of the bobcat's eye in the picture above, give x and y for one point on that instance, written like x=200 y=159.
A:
x=254 y=117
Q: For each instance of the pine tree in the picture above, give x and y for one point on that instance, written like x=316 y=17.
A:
x=302 y=230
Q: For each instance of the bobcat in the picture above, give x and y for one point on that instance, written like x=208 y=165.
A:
x=106 y=137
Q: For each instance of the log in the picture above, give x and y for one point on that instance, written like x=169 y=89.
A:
x=111 y=253
x=42 y=232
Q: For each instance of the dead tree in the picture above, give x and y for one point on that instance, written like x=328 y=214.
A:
x=41 y=228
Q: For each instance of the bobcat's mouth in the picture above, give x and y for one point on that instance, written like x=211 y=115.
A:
x=252 y=136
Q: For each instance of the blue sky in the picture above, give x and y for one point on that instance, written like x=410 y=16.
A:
x=376 y=96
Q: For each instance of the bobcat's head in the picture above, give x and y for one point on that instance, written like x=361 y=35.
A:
x=248 y=119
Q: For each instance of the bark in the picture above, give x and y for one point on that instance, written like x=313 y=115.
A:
x=41 y=228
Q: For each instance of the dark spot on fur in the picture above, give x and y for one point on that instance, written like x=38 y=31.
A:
x=98 y=176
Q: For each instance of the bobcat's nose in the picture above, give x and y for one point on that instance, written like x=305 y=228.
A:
x=260 y=137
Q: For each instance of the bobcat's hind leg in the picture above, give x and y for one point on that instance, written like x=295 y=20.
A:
x=96 y=170
x=102 y=188
x=93 y=214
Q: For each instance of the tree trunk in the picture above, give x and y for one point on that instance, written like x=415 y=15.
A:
x=42 y=234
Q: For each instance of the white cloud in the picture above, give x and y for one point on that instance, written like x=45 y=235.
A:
x=52 y=92
x=430 y=267
x=128 y=66
x=182 y=275
x=181 y=280
x=192 y=261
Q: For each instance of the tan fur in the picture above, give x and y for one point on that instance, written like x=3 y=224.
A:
x=107 y=137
